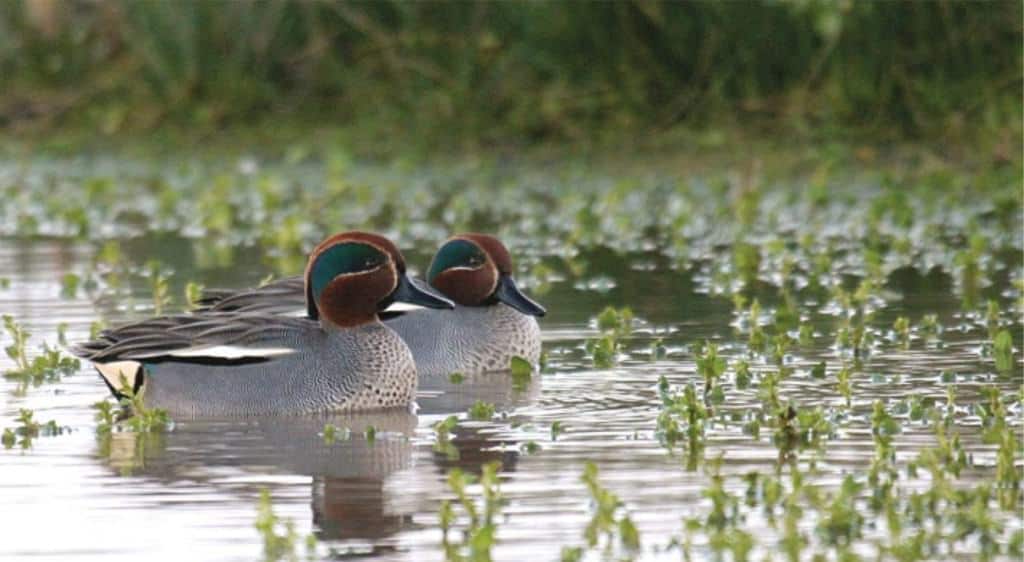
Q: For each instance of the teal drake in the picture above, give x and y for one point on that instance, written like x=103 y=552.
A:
x=492 y=322
x=337 y=357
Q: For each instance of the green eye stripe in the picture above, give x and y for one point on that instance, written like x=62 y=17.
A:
x=457 y=253
x=347 y=257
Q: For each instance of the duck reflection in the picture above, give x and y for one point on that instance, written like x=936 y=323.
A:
x=353 y=477
x=471 y=445
x=469 y=448
x=455 y=395
x=350 y=499
x=354 y=508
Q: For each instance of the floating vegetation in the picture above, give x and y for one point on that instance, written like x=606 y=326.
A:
x=1002 y=351
x=159 y=286
x=609 y=524
x=481 y=411
x=332 y=434
x=557 y=428
x=479 y=531
x=280 y=539
x=29 y=429
x=902 y=328
x=521 y=371
x=682 y=420
x=823 y=370
x=193 y=293
x=614 y=325
x=133 y=416
x=711 y=367
x=48 y=366
x=442 y=437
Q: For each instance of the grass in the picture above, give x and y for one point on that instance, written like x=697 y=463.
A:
x=487 y=73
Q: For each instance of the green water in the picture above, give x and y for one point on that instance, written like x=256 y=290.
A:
x=833 y=253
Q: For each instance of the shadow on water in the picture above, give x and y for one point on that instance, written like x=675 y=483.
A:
x=351 y=499
x=348 y=473
x=442 y=395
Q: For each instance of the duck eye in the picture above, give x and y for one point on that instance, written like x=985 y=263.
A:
x=475 y=260
x=371 y=262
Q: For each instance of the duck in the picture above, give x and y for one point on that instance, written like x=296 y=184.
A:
x=336 y=357
x=492 y=320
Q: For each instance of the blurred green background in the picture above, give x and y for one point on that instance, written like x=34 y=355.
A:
x=504 y=72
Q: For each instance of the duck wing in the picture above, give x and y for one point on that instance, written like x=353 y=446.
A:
x=284 y=296
x=209 y=338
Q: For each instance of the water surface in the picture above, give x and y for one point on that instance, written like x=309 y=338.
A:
x=191 y=493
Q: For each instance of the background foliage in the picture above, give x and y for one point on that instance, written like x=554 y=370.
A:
x=499 y=70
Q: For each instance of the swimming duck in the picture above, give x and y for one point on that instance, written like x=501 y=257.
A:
x=492 y=322
x=338 y=357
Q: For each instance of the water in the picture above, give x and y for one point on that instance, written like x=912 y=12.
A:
x=191 y=493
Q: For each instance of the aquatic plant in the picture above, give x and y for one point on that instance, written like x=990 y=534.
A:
x=332 y=434
x=280 y=539
x=479 y=535
x=159 y=277
x=743 y=377
x=521 y=371
x=604 y=351
x=134 y=415
x=557 y=428
x=48 y=366
x=442 y=440
x=28 y=429
x=658 y=350
x=193 y=293
x=69 y=283
x=724 y=522
x=682 y=416
x=1002 y=351
x=609 y=520
x=614 y=324
x=16 y=350
x=710 y=366
x=902 y=328
x=481 y=411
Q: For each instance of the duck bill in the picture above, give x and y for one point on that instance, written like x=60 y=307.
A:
x=508 y=293
x=414 y=291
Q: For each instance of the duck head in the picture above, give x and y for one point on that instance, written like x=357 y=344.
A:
x=476 y=270
x=353 y=276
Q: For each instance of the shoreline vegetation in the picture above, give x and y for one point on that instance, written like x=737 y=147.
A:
x=451 y=77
